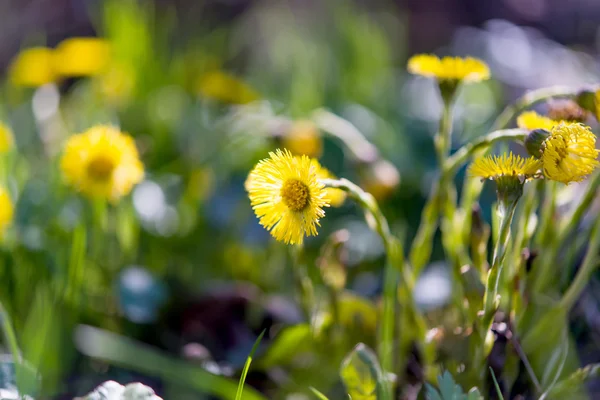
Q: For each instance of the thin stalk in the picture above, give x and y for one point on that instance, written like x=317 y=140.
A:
x=490 y=302
x=304 y=286
x=443 y=139
x=395 y=264
x=464 y=153
x=590 y=263
x=529 y=99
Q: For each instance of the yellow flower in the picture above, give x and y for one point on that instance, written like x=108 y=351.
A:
x=303 y=138
x=335 y=197
x=286 y=196
x=496 y=167
x=569 y=153
x=6 y=139
x=531 y=120
x=81 y=56
x=33 y=67
x=6 y=209
x=449 y=68
x=102 y=162
x=218 y=85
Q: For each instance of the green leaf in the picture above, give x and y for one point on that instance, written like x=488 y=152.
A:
x=319 y=395
x=125 y=352
x=449 y=390
x=289 y=342
x=498 y=391
x=573 y=385
x=361 y=373
x=555 y=365
x=240 y=389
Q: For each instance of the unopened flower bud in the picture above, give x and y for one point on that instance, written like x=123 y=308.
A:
x=534 y=141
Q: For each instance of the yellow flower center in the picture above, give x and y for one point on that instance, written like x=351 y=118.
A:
x=100 y=168
x=295 y=194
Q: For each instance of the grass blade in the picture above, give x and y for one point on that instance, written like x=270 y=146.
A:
x=240 y=388
x=318 y=394
x=498 y=391
x=125 y=352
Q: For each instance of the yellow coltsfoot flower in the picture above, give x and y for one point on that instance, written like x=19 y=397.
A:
x=287 y=196
x=531 y=120
x=509 y=171
x=102 y=163
x=569 y=153
x=81 y=56
x=449 y=68
x=6 y=210
x=496 y=167
x=33 y=67
x=449 y=71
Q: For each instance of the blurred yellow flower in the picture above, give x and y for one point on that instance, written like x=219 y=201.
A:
x=102 y=162
x=33 y=67
x=218 y=85
x=6 y=209
x=569 y=153
x=303 y=138
x=81 y=56
x=7 y=141
x=335 y=197
x=286 y=196
x=496 y=167
x=531 y=120
x=449 y=68
x=380 y=179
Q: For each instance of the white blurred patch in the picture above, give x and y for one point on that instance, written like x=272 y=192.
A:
x=433 y=288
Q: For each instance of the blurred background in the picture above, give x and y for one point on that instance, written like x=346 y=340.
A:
x=207 y=88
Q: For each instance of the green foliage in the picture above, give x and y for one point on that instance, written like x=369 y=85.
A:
x=449 y=390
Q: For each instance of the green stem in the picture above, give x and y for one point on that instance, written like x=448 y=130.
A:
x=590 y=262
x=302 y=281
x=361 y=149
x=396 y=263
x=506 y=212
x=529 y=99
x=443 y=139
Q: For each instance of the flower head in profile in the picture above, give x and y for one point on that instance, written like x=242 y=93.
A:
x=509 y=171
x=286 y=196
x=531 y=120
x=569 y=153
x=6 y=209
x=102 y=163
x=81 y=56
x=449 y=68
x=33 y=67
x=7 y=140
